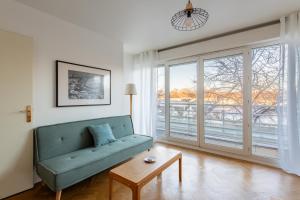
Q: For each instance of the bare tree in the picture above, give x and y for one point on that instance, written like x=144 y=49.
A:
x=224 y=81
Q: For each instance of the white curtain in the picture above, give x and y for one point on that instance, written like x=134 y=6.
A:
x=144 y=109
x=289 y=106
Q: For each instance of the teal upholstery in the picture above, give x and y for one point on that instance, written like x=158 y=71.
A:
x=65 y=153
x=102 y=134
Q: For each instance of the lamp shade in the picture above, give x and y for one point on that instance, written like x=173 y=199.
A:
x=130 y=89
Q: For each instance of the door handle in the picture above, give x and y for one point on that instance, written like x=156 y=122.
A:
x=28 y=111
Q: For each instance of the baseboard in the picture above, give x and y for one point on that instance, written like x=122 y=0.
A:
x=261 y=161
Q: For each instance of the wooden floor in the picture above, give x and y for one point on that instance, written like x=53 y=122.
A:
x=205 y=177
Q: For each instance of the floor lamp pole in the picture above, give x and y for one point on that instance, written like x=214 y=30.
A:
x=130 y=104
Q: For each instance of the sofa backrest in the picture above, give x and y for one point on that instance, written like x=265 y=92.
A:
x=59 y=139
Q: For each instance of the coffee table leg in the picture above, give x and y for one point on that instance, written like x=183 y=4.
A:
x=110 y=188
x=136 y=193
x=180 y=169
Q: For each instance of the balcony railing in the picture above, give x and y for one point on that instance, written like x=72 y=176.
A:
x=223 y=124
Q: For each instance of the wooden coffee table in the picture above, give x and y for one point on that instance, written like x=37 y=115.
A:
x=136 y=173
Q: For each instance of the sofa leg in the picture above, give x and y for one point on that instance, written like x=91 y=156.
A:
x=58 y=195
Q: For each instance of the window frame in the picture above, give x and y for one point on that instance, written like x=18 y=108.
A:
x=168 y=65
x=243 y=151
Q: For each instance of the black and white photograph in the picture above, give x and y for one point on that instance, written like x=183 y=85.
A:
x=84 y=85
x=81 y=85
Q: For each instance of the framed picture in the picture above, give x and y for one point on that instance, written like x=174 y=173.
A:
x=80 y=85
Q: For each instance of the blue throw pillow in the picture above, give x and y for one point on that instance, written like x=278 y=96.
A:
x=102 y=134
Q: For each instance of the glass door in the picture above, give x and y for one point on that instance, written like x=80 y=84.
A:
x=222 y=100
x=183 y=101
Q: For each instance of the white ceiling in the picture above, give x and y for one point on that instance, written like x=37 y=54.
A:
x=145 y=24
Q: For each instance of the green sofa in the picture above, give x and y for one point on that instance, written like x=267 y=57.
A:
x=65 y=153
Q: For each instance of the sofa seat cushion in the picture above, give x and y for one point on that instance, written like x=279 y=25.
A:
x=65 y=170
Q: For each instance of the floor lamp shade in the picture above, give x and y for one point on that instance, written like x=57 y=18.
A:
x=130 y=90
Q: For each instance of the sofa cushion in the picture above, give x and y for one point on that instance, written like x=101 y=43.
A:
x=65 y=170
x=102 y=134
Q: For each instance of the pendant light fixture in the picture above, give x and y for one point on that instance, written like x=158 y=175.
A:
x=190 y=18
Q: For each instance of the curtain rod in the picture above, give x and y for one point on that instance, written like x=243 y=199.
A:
x=222 y=35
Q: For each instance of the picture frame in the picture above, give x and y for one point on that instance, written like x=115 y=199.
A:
x=82 y=85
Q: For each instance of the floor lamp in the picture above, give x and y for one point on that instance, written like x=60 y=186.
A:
x=130 y=90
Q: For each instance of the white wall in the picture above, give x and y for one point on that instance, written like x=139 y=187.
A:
x=57 y=39
x=227 y=42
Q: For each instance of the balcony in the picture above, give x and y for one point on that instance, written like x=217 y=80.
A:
x=221 y=127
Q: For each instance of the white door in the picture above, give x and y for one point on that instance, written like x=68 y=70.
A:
x=16 y=139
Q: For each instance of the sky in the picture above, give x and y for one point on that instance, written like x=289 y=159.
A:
x=181 y=76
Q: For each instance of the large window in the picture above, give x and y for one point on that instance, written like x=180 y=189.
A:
x=161 y=106
x=183 y=107
x=266 y=76
x=225 y=101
